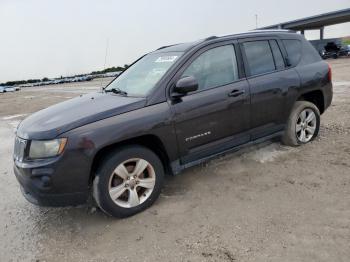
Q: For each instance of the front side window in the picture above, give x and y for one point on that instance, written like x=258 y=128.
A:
x=142 y=76
x=215 y=67
x=259 y=57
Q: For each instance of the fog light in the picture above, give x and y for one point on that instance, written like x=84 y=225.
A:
x=45 y=180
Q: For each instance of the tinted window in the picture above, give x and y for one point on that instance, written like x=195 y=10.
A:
x=215 y=67
x=259 y=57
x=277 y=54
x=310 y=54
x=293 y=48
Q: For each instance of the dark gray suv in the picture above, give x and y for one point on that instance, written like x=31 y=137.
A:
x=173 y=108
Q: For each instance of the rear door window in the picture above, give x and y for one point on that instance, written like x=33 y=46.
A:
x=259 y=57
x=293 y=48
x=277 y=55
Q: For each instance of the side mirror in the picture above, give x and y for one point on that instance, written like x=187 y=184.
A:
x=185 y=85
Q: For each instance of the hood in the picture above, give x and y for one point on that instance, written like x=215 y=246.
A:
x=76 y=112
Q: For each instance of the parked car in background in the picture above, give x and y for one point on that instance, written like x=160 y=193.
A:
x=10 y=89
x=345 y=50
x=172 y=109
x=4 y=89
x=333 y=50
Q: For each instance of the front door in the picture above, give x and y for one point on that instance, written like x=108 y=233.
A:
x=207 y=120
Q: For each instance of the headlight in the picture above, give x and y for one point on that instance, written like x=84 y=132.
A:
x=46 y=148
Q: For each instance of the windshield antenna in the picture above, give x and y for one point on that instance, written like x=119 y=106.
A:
x=104 y=66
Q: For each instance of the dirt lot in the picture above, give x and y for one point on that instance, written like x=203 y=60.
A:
x=265 y=203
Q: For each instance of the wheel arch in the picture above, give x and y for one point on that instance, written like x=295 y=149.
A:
x=316 y=97
x=151 y=142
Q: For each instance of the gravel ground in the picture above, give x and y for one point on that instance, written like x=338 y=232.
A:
x=264 y=203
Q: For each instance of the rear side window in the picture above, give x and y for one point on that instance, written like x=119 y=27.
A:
x=293 y=48
x=277 y=55
x=259 y=57
x=215 y=67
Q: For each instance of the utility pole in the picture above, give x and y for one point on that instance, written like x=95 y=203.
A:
x=107 y=43
x=104 y=66
x=256 y=21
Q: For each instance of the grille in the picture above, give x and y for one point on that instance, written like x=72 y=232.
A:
x=19 y=150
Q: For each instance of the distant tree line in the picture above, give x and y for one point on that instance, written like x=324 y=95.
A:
x=32 y=81
x=110 y=69
x=20 y=82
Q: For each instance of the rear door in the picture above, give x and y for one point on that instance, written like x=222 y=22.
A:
x=270 y=84
x=204 y=120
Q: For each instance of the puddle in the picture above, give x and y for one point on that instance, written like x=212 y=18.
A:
x=65 y=97
x=14 y=124
x=13 y=116
x=268 y=153
x=341 y=83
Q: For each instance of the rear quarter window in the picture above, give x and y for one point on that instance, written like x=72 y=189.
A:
x=309 y=54
x=293 y=48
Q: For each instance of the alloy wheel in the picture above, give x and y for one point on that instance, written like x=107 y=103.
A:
x=132 y=182
x=306 y=125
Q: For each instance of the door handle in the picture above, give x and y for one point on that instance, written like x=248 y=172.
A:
x=236 y=92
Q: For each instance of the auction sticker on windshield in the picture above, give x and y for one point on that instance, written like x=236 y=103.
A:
x=166 y=59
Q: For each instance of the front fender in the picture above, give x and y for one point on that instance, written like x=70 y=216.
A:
x=86 y=141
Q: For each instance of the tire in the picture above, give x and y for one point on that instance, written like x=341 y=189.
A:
x=110 y=181
x=296 y=126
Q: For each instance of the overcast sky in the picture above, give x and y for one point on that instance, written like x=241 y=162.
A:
x=40 y=38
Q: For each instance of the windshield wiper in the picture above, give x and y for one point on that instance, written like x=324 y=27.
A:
x=116 y=91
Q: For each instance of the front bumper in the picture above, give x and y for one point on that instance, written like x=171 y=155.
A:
x=40 y=186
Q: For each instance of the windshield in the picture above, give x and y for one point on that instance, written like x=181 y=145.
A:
x=142 y=76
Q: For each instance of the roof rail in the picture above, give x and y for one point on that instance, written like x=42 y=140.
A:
x=210 y=38
x=260 y=31
x=162 y=47
x=272 y=30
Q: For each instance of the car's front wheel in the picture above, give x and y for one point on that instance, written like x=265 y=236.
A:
x=128 y=181
x=303 y=124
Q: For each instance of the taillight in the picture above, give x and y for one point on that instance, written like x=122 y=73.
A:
x=329 y=73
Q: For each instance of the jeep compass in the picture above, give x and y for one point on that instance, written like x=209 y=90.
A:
x=173 y=108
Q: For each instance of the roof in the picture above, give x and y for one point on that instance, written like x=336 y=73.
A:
x=316 y=21
x=183 y=47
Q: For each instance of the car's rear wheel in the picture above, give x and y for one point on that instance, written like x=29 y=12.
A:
x=128 y=181
x=303 y=124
